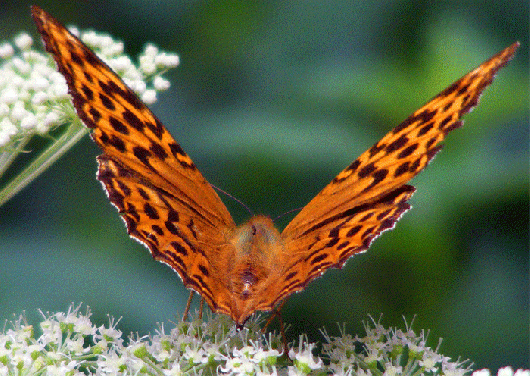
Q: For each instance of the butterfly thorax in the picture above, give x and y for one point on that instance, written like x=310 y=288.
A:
x=257 y=246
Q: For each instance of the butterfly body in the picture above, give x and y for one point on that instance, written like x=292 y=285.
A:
x=257 y=251
x=171 y=208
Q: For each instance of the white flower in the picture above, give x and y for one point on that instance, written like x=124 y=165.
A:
x=8 y=96
x=373 y=356
x=4 y=110
x=121 y=64
x=505 y=371
x=452 y=370
x=149 y=96
x=482 y=372
x=150 y=50
x=74 y=30
x=167 y=60
x=430 y=361
x=195 y=355
x=113 y=49
x=29 y=121
x=6 y=50
x=147 y=64
x=111 y=363
x=138 y=86
x=303 y=358
x=238 y=366
x=173 y=371
x=161 y=83
x=23 y=41
x=295 y=371
x=391 y=370
x=266 y=356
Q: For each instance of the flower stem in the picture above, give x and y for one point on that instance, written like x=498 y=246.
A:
x=74 y=132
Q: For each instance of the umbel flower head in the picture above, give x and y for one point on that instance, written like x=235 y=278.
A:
x=69 y=343
x=34 y=97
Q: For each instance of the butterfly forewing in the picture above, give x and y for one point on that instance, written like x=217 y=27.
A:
x=402 y=153
x=164 y=199
x=325 y=234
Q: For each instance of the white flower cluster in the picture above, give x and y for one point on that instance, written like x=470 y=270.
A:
x=390 y=352
x=70 y=344
x=505 y=371
x=146 y=79
x=34 y=97
x=29 y=82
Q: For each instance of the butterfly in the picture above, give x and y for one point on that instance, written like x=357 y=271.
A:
x=169 y=206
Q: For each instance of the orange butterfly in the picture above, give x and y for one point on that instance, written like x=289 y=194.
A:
x=169 y=206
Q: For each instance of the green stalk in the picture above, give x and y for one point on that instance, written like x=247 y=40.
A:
x=69 y=138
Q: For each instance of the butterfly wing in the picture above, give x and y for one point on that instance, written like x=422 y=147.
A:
x=165 y=201
x=371 y=194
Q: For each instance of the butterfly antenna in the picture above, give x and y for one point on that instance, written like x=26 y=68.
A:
x=287 y=212
x=234 y=198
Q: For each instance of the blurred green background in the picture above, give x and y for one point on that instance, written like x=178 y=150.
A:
x=272 y=100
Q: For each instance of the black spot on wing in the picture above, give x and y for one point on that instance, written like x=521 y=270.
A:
x=142 y=154
x=171 y=228
x=397 y=144
x=379 y=176
x=133 y=120
x=376 y=149
x=76 y=59
x=89 y=94
x=391 y=196
x=425 y=128
x=105 y=100
x=88 y=77
x=124 y=188
x=407 y=151
x=118 y=126
x=354 y=230
x=204 y=270
x=143 y=193
x=366 y=170
x=96 y=115
x=116 y=142
x=158 y=230
x=150 y=211
x=423 y=117
x=404 y=167
x=158 y=151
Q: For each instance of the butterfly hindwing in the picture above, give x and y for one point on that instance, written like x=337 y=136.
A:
x=332 y=242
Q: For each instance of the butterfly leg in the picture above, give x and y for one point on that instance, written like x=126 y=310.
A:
x=188 y=305
x=201 y=307
x=277 y=313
